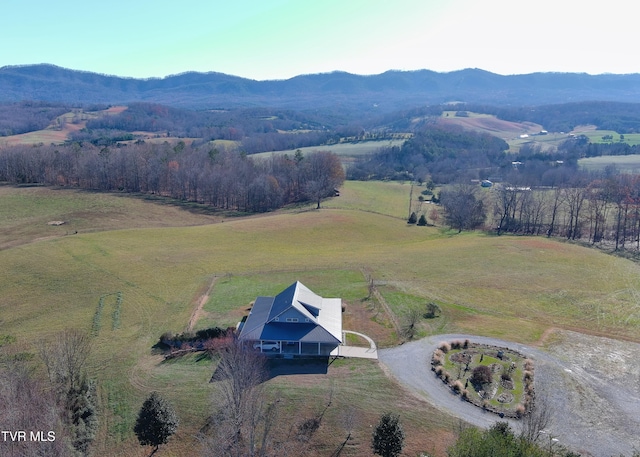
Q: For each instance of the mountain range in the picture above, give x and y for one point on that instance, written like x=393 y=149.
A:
x=384 y=92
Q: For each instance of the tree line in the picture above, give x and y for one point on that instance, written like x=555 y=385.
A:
x=604 y=210
x=564 y=117
x=218 y=178
x=444 y=153
x=17 y=118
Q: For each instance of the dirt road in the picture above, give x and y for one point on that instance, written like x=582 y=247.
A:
x=591 y=383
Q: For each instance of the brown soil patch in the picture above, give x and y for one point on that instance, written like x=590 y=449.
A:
x=368 y=318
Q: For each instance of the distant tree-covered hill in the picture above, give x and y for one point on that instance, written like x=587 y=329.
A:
x=339 y=91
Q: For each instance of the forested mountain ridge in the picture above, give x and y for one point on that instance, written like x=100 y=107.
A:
x=385 y=92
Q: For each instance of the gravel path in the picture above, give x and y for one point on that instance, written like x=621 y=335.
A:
x=594 y=412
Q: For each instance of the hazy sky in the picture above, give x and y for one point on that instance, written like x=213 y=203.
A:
x=278 y=39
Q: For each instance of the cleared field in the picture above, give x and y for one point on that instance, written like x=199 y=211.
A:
x=625 y=164
x=388 y=198
x=27 y=211
x=59 y=130
x=510 y=287
x=596 y=136
x=489 y=123
x=344 y=150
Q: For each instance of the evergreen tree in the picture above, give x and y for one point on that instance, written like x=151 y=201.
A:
x=156 y=422
x=83 y=414
x=412 y=219
x=388 y=436
x=422 y=221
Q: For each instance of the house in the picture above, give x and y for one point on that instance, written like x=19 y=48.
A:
x=295 y=322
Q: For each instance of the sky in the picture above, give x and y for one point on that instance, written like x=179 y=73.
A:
x=280 y=39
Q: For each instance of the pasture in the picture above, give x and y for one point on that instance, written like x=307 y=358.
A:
x=346 y=151
x=157 y=258
x=625 y=164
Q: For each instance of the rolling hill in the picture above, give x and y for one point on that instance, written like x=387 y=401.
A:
x=388 y=91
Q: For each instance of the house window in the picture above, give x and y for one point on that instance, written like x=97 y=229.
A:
x=292 y=319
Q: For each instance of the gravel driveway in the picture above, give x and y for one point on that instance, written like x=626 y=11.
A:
x=591 y=383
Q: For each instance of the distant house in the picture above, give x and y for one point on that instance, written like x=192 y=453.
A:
x=294 y=322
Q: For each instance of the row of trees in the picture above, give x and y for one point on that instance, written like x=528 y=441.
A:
x=221 y=179
x=604 y=210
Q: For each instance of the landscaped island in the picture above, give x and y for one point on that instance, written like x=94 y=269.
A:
x=494 y=378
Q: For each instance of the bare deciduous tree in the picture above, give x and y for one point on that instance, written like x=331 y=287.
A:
x=539 y=418
x=245 y=421
x=66 y=356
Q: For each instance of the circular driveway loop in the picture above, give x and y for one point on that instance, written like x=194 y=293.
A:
x=588 y=415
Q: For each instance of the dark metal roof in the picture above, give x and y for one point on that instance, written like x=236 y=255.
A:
x=261 y=323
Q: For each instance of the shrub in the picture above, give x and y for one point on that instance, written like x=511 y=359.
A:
x=506 y=373
x=520 y=410
x=456 y=344
x=464 y=394
x=432 y=311
x=423 y=220
x=444 y=347
x=465 y=344
x=457 y=386
x=481 y=374
x=412 y=219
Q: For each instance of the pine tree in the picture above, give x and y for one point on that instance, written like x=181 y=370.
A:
x=157 y=421
x=388 y=436
x=422 y=221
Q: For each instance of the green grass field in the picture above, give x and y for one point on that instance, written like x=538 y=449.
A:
x=159 y=256
x=625 y=164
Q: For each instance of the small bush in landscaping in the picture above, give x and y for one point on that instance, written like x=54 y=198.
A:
x=506 y=373
x=457 y=386
x=520 y=410
x=432 y=311
x=444 y=347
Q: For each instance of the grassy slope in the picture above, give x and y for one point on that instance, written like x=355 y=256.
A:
x=510 y=287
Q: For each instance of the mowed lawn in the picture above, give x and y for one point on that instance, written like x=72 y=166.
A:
x=511 y=287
